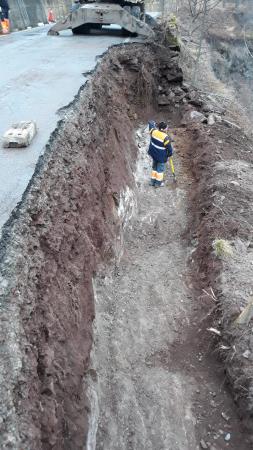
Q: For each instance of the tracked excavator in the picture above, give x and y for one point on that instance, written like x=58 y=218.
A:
x=93 y=14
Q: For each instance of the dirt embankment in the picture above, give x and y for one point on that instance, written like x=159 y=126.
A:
x=222 y=165
x=66 y=225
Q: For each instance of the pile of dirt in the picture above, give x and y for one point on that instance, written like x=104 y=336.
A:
x=222 y=165
x=68 y=223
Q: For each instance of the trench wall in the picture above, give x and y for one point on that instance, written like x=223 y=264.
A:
x=66 y=227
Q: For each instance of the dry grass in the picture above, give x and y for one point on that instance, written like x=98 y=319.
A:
x=222 y=248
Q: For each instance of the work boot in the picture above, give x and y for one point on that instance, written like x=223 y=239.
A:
x=162 y=184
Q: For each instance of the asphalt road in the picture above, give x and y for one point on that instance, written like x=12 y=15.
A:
x=39 y=75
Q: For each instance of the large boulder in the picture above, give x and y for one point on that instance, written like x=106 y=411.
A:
x=193 y=116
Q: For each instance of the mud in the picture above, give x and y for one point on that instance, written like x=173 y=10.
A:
x=151 y=310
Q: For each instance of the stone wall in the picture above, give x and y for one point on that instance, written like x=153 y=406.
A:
x=29 y=13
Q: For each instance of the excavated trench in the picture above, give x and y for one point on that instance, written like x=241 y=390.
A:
x=91 y=240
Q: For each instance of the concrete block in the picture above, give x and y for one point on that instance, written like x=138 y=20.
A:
x=20 y=134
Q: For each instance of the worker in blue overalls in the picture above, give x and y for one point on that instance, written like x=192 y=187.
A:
x=160 y=149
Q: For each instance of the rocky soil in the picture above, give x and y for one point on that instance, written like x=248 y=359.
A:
x=167 y=287
x=223 y=182
x=155 y=381
x=232 y=50
x=68 y=223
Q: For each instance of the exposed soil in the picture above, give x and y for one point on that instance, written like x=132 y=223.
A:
x=158 y=383
x=223 y=173
x=68 y=222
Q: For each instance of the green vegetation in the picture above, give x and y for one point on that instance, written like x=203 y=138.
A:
x=222 y=248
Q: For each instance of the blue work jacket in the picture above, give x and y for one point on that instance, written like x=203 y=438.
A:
x=160 y=148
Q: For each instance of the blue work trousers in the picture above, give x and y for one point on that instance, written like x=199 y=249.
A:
x=157 y=173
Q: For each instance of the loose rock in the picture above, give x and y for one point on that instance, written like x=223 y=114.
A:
x=246 y=354
x=225 y=416
x=211 y=119
x=203 y=444
x=227 y=437
x=193 y=116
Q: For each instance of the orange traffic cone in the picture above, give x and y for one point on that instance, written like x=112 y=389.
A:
x=5 y=24
x=50 y=17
